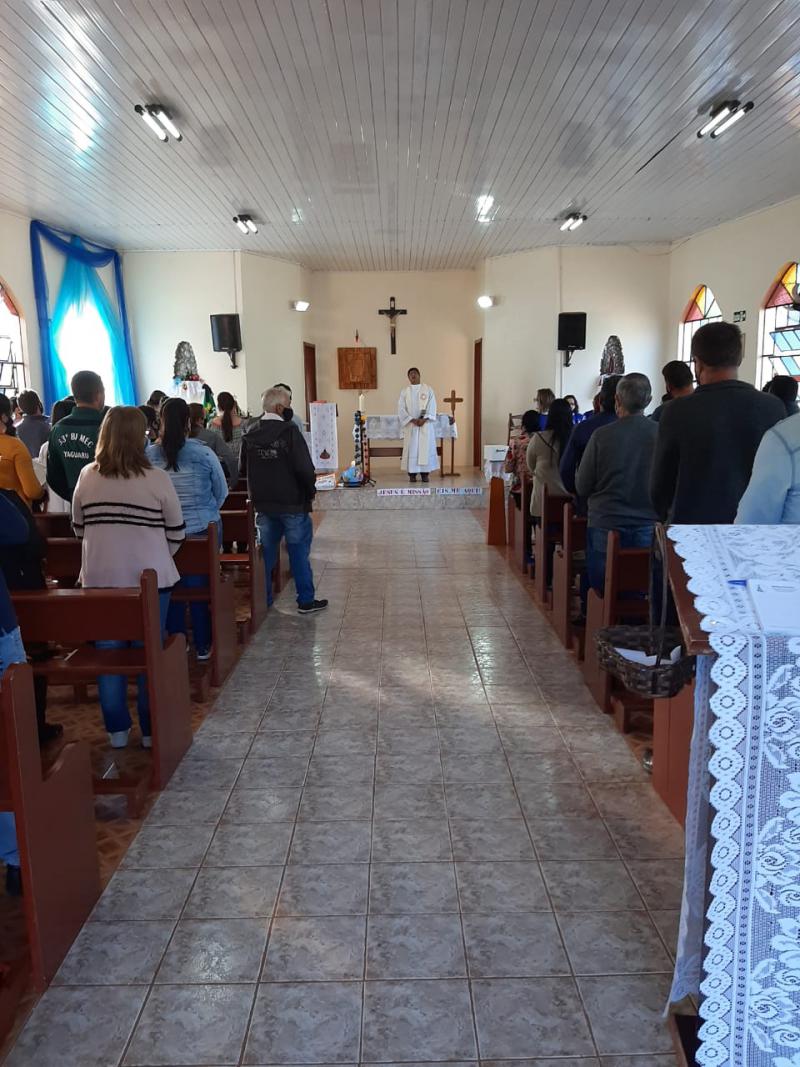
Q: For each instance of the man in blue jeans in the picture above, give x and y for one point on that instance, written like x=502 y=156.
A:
x=614 y=477
x=275 y=460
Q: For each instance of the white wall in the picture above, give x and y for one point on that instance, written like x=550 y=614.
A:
x=437 y=335
x=17 y=276
x=622 y=290
x=170 y=297
x=739 y=261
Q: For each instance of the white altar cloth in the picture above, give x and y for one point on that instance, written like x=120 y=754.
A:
x=739 y=940
x=388 y=428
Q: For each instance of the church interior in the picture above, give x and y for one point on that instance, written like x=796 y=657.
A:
x=509 y=289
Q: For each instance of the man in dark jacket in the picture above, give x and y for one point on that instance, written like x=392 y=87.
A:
x=73 y=440
x=580 y=436
x=280 y=479
x=707 y=441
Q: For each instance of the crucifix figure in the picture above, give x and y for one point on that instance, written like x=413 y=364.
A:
x=392 y=311
x=452 y=400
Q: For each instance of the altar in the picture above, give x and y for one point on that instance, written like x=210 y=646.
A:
x=388 y=428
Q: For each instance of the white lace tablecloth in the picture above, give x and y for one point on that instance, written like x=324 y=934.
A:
x=388 y=428
x=739 y=941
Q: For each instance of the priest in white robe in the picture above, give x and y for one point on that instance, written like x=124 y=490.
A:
x=416 y=410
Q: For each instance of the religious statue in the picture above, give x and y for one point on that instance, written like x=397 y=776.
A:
x=187 y=382
x=612 y=360
x=185 y=366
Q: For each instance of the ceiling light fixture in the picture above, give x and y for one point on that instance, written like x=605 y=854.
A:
x=572 y=222
x=159 y=120
x=245 y=224
x=297 y=215
x=484 y=205
x=723 y=116
x=485 y=301
x=300 y=305
x=732 y=119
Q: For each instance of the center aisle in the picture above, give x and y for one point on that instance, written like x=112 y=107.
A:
x=405 y=834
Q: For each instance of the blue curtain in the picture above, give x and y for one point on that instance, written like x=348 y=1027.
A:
x=80 y=285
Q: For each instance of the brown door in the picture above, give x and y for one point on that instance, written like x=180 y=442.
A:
x=477 y=362
x=310 y=372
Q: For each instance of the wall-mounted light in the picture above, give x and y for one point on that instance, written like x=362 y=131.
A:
x=483 y=208
x=245 y=224
x=485 y=301
x=572 y=222
x=300 y=305
x=159 y=120
x=723 y=116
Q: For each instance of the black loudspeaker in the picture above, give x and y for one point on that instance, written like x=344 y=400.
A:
x=571 y=331
x=226 y=335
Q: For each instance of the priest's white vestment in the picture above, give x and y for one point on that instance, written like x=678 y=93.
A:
x=419 y=442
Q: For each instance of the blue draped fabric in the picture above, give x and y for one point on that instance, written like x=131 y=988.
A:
x=80 y=285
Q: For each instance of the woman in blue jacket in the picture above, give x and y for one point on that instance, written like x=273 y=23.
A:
x=200 y=484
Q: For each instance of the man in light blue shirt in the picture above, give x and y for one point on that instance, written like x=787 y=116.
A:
x=772 y=496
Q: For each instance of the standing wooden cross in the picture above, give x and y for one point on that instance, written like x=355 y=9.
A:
x=452 y=400
x=392 y=311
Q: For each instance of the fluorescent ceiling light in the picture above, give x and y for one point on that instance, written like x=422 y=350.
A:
x=577 y=221
x=301 y=305
x=484 y=205
x=718 y=115
x=250 y=225
x=485 y=301
x=565 y=225
x=159 y=131
x=241 y=224
x=731 y=119
x=164 y=118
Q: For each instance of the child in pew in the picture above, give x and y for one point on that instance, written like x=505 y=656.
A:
x=129 y=518
x=21 y=565
x=200 y=483
x=13 y=531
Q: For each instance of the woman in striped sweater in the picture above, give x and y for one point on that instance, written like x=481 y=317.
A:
x=129 y=518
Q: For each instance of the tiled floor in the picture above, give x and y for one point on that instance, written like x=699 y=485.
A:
x=405 y=835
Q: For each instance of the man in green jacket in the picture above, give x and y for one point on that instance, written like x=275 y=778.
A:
x=73 y=440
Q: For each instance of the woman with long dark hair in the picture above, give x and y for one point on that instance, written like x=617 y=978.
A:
x=229 y=423
x=544 y=453
x=199 y=481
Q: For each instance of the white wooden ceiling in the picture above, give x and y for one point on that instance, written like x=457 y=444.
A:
x=382 y=121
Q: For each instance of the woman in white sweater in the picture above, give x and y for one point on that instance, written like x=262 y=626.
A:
x=129 y=518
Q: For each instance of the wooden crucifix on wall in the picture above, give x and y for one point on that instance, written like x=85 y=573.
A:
x=392 y=311
x=452 y=400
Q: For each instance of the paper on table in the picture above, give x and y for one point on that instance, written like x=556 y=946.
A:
x=776 y=604
x=649 y=661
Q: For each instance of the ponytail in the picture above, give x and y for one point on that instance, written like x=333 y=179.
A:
x=226 y=403
x=174 y=423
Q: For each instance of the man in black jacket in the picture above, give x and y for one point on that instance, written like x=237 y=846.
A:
x=707 y=441
x=280 y=479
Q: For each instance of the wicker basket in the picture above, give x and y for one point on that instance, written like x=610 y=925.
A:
x=663 y=679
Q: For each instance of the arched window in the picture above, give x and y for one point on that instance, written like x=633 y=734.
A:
x=702 y=308
x=13 y=372
x=778 y=341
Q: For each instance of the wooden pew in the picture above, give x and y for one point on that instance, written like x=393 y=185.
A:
x=63 y=560
x=549 y=533
x=200 y=555
x=519 y=526
x=627 y=577
x=240 y=527
x=54 y=524
x=54 y=814
x=236 y=500
x=75 y=618
x=573 y=539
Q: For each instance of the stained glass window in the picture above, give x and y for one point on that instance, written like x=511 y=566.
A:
x=702 y=308
x=779 y=343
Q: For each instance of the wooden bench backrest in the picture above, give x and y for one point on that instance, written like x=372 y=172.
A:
x=236 y=500
x=573 y=531
x=627 y=578
x=63 y=559
x=549 y=533
x=200 y=555
x=78 y=616
x=239 y=525
x=54 y=524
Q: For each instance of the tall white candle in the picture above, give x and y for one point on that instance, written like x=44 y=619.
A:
x=362 y=400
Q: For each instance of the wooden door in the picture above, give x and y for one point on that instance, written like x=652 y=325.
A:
x=310 y=372
x=477 y=362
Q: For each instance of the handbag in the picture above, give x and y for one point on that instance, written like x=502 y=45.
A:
x=666 y=677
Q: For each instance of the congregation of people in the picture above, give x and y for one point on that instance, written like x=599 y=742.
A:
x=137 y=482
x=714 y=451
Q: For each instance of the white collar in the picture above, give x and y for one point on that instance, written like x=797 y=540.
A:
x=272 y=416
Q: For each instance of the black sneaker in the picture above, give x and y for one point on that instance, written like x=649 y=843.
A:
x=13 y=881
x=412 y=477
x=425 y=477
x=314 y=605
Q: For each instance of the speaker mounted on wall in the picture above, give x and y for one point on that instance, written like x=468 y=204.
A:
x=571 y=333
x=226 y=335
